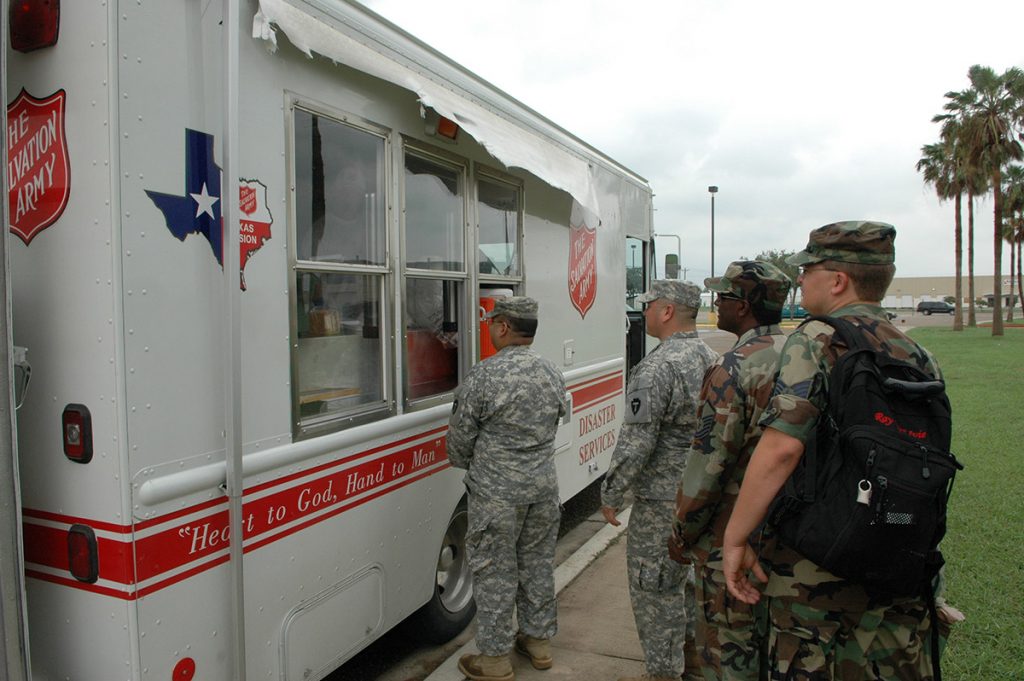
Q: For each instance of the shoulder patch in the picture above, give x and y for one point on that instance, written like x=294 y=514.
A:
x=638 y=403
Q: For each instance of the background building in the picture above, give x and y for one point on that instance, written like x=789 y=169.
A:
x=907 y=292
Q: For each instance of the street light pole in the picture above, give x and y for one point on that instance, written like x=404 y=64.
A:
x=713 y=189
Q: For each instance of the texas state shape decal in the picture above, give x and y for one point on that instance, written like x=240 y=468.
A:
x=198 y=209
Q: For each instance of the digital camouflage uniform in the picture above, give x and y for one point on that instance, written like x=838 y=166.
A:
x=659 y=421
x=824 y=627
x=731 y=634
x=502 y=430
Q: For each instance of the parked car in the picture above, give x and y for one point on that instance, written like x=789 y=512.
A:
x=798 y=312
x=927 y=307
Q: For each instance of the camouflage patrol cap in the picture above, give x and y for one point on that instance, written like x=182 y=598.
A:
x=516 y=307
x=682 y=293
x=856 y=241
x=760 y=283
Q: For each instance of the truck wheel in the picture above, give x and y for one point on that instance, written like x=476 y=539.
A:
x=452 y=607
x=927 y=313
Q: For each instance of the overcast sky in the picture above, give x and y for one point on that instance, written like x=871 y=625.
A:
x=801 y=112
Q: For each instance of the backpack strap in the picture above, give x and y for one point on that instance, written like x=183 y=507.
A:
x=852 y=338
x=848 y=332
x=792 y=497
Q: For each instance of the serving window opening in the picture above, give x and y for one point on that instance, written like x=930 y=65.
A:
x=434 y=212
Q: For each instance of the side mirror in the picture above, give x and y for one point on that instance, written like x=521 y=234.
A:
x=671 y=266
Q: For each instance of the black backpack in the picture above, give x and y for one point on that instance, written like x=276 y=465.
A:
x=868 y=500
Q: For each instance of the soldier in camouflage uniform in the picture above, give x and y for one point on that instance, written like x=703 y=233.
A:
x=502 y=430
x=731 y=634
x=659 y=422
x=824 y=627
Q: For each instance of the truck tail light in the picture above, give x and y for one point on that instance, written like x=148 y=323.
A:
x=77 y=426
x=83 y=559
x=34 y=24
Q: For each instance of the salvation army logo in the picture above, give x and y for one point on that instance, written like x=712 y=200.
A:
x=247 y=199
x=582 y=267
x=39 y=170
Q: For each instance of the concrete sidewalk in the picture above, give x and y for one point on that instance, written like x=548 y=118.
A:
x=596 y=637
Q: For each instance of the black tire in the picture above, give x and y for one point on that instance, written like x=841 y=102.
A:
x=451 y=608
x=927 y=313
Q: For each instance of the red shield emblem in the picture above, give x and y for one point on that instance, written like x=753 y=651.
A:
x=247 y=200
x=39 y=170
x=582 y=267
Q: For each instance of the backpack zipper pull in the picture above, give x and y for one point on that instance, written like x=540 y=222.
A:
x=864 y=492
x=883 y=484
x=925 y=471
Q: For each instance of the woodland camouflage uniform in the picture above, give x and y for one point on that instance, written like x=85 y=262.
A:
x=824 y=627
x=731 y=635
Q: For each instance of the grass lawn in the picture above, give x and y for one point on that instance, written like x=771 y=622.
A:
x=984 y=546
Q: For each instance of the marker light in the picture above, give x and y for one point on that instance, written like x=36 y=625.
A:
x=34 y=24
x=77 y=426
x=83 y=559
x=446 y=127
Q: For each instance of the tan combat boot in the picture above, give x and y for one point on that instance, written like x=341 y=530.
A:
x=648 y=677
x=537 y=649
x=486 y=667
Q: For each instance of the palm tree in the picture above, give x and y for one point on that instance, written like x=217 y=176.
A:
x=1020 y=248
x=976 y=184
x=940 y=165
x=1014 y=231
x=1008 y=236
x=985 y=117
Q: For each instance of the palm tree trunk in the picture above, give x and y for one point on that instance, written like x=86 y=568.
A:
x=958 y=247
x=1013 y=260
x=972 y=318
x=997 y=253
x=1020 y=284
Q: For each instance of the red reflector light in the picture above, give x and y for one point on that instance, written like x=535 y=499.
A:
x=34 y=24
x=77 y=426
x=83 y=559
x=446 y=127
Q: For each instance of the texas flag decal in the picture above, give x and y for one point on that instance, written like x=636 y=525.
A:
x=198 y=209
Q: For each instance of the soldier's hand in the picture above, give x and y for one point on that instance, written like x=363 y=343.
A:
x=948 y=614
x=609 y=514
x=737 y=562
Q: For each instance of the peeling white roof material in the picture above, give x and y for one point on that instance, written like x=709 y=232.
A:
x=512 y=144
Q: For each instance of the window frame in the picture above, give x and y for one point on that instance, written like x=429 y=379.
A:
x=309 y=427
x=498 y=177
x=464 y=279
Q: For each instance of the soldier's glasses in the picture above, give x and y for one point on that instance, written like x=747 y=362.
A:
x=804 y=271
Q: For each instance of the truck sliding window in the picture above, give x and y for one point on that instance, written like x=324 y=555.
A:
x=434 y=212
x=498 y=206
x=340 y=265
